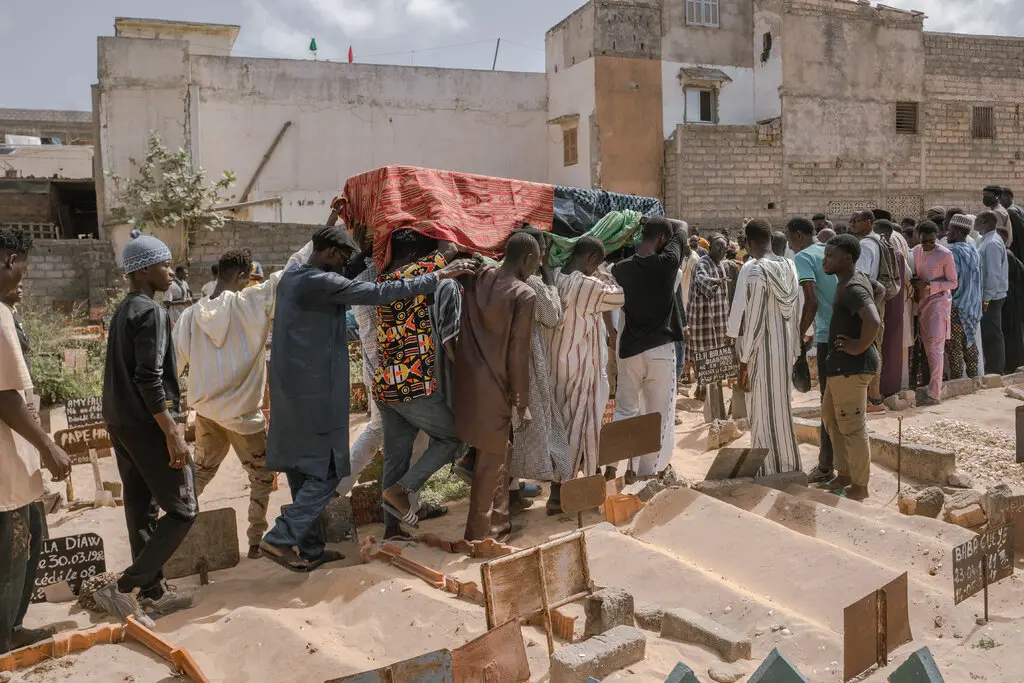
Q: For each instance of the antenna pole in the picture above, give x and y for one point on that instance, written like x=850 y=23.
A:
x=497 y=47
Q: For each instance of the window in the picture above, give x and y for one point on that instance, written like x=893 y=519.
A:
x=570 y=146
x=983 y=123
x=702 y=13
x=906 y=118
x=701 y=105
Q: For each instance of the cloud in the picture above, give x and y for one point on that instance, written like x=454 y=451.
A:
x=987 y=17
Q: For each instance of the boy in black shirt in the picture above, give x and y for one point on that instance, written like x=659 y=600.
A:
x=851 y=365
x=140 y=407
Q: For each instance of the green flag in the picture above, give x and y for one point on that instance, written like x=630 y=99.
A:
x=312 y=45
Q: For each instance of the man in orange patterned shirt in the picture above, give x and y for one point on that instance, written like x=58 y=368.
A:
x=404 y=385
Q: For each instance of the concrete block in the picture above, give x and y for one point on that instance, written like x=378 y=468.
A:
x=598 y=657
x=648 y=617
x=782 y=481
x=991 y=382
x=682 y=674
x=1001 y=504
x=1015 y=393
x=924 y=463
x=807 y=430
x=969 y=517
x=955 y=387
x=924 y=503
x=607 y=609
x=777 y=669
x=690 y=627
x=722 y=433
x=920 y=667
x=644 y=490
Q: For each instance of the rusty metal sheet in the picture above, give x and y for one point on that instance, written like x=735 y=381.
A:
x=498 y=656
x=861 y=627
x=630 y=438
x=736 y=463
x=585 y=493
x=78 y=441
x=998 y=548
x=433 y=667
x=211 y=544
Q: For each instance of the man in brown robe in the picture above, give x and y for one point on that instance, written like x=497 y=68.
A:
x=492 y=378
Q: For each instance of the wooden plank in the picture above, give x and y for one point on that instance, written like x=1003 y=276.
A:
x=211 y=545
x=736 y=463
x=630 y=438
x=76 y=442
x=585 y=493
x=861 y=640
x=502 y=647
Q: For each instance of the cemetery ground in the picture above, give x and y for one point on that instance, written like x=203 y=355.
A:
x=776 y=567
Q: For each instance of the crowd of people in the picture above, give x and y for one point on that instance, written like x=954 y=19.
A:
x=505 y=367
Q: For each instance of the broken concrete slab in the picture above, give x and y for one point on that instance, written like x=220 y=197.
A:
x=1015 y=392
x=920 y=667
x=927 y=502
x=777 y=669
x=607 y=609
x=925 y=463
x=681 y=674
x=962 y=499
x=783 y=480
x=644 y=490
x=600 y=656
x=898 y=403
x=722 y=433
x=991 y=382
x=969 y=517
x=648 y=617
x=807 y=430
x=960 y=480
x=690 y=627
x=1002 y=503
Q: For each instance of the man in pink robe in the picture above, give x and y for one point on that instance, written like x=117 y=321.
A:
x=934 y=278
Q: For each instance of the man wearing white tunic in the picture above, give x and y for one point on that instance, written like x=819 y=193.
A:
x=764 y=322
x=576 y=346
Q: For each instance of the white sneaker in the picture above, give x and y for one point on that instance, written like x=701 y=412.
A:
x=121 y=605
x=168 y=603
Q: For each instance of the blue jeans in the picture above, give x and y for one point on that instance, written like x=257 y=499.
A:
x=21 y=537
x=402 y=422
x=299 y=523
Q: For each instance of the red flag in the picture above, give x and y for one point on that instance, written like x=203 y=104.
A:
x=351 y=56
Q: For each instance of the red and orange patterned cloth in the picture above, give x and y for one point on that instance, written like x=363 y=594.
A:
x=475 y=212
x=405 y=340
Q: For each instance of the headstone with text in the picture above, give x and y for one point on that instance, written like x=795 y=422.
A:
x=82 y=412
x=715 y=365
x=79 y=441
x=71 y=559
x=992 y=551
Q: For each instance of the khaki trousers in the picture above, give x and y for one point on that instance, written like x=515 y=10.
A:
x=212 y=444
x=844 y=414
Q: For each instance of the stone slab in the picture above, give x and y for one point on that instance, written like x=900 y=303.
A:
x=648 y=617
x=806 y=430
x=681 y=674
x=607 y=609
x=690 y=627
x=777 y=669
x=644 y=490
x=338 y=522
x=920 y=667
x=924 y=463
x=598 y=657
x=212 y=541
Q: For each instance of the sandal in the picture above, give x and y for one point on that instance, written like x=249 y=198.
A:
x=327 y=557
x=288 y=559
x=410 y=518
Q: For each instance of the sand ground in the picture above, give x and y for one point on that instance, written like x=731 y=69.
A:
x=778 y=567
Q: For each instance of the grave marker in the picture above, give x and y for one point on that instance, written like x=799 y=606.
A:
x=498 y=656
x=77 y=442
x=874 y=626
x=630 y=438
x=83 y=412
x=777 y=669
x=981 y=561
x=737 y=463
x=715 y=365
x=919 y=668
x=433 y=667
x=580 y=495
x=71 y=559
x=681 y=674
x=211 y=545
x=535 y=581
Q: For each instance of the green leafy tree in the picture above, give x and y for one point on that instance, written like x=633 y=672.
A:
x=165 y=191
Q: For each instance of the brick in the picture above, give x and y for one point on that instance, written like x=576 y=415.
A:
x=598 y=657
x=920 y=667
x=927 y=502
x=969 y=517
x=682 y=674
x=777 y=669
x=607 y=609
x=648 y=617
x=690 y=627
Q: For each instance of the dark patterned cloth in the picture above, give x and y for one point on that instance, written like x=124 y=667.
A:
x=708 y=309
x=577 y=210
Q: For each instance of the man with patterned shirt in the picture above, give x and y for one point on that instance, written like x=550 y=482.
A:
x=404 y=385
x=708 y=311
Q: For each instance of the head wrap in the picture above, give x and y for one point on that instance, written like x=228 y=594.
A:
x=936 y=211
x=143 y=251
x=994 y=189
x=257 y=270
x=963 y=221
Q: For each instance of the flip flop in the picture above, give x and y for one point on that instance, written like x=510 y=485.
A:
x=409 y=518
x=327 y=557
x=288 y=559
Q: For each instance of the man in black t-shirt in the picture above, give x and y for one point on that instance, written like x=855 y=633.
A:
x=851 y=365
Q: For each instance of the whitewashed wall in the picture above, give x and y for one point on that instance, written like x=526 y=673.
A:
x=47 y=161
x=735 y=99
x=571 y=92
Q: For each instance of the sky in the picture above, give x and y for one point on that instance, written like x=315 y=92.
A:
x=48 y=47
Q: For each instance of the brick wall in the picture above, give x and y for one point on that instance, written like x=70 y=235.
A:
x=715 y=176
x=79 y=271
x=271 y=244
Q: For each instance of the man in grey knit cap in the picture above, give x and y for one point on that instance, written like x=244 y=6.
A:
x=141 y=403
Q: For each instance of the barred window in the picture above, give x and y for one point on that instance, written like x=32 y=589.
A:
x=906 y=118
x=983 y=123
x=702 y=13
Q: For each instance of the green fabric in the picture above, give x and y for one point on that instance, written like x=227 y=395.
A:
x=614 y=230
